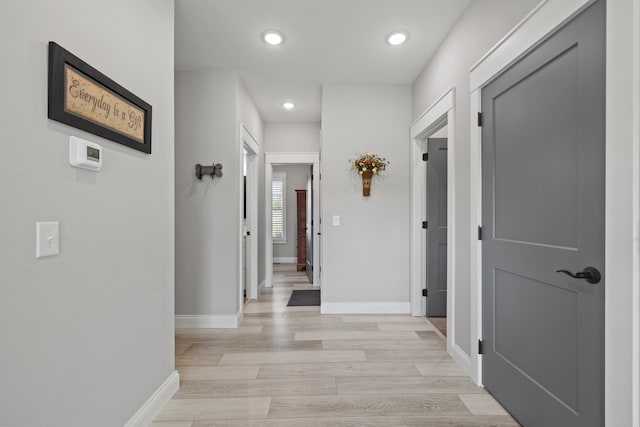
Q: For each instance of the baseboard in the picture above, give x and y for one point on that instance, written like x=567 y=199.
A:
x=152 y=407
x=285 y=260
x=365 y=308
x=461 y=358
x=208 y=321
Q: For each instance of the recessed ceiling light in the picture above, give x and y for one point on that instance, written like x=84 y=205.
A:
x=288 y=105
x=397 y=38
x=273 y=37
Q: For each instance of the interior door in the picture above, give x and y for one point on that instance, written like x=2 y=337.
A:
x=309 y=230
x=543 y=211
x=437 y=227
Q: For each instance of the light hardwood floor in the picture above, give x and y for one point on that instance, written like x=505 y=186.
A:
x=291 y=366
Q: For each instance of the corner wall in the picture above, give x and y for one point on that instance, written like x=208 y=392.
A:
x=210 y=105
x=87 y=335
x=480 y=27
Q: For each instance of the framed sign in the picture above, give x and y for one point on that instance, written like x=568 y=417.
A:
x=83 y=97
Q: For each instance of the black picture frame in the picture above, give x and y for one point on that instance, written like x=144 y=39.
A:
x=60 y=60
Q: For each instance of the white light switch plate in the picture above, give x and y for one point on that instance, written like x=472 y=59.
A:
x=47 y=239
x=336 y=220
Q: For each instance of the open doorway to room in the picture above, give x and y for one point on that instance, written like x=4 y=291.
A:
x=248 y=232
x=293 y=225
x=436 y=228
x=433 y=248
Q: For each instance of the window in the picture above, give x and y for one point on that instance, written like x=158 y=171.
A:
x=278 y=205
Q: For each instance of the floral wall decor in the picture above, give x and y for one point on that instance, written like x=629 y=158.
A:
x=367 y=165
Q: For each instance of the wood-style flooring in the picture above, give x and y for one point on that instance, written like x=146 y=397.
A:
x=292 y=366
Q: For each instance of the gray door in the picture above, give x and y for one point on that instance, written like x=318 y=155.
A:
x=309 y=229
x=543 y=211
x=437 y=227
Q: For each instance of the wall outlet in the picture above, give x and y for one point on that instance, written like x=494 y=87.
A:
x=336 y=220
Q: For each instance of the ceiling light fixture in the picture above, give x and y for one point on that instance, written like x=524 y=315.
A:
x=397 y=38
x=288 y=105
x=273 y=37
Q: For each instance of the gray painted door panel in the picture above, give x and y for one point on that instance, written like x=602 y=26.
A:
x=437 y=231
x=543 y=210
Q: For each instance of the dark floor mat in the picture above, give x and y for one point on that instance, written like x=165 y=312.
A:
x=304 y=298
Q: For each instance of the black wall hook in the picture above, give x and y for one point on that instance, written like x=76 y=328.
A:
x=212 y=171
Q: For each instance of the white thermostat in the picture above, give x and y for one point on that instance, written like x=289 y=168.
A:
x=85 y=154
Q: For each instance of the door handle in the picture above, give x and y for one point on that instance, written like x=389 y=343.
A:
x=590 y=274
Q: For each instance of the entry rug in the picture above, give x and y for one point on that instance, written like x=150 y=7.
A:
x=304 y=298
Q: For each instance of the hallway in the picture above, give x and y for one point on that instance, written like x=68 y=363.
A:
x=292 y=366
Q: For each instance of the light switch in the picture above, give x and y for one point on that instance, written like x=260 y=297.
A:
x=336 y=220
x=47 y=239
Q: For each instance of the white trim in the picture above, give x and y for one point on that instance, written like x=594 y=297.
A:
x=152 y=407
x=430 y=118
x=285 y=260
x=262 y=285
x=270 y=159
x=442 y=111
x=208 y=321
x=461 y=358
x=365 y=308
x=248 y=139
x=475 y=254
x=543 y=20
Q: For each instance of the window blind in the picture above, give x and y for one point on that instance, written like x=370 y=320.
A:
x=278 y=208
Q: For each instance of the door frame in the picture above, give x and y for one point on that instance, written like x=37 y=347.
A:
x=441 y=111
x=248 y=142
x=622 y=176
x=311 y=159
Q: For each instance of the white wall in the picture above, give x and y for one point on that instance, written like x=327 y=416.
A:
x=366 y=258
x=87 y=336
x=296 y=179
x=481 y=26
x=206 y=211
x=292 y=137
x=210 y=105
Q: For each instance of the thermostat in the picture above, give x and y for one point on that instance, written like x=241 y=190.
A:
x=85 y=154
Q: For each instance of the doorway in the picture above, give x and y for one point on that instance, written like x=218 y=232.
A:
x=437 y=121
x=312 y=161
x=543 y=228
x=248 y=221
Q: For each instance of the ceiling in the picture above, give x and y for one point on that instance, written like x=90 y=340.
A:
x=326 y=42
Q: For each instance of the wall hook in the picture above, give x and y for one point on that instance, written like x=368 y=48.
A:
x=212 y=171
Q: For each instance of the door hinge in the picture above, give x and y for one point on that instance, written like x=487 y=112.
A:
x=425 y=292
x=479 y=232
x=425 y=224
x=425 y=157
x=480 y=119
x=480 y=347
